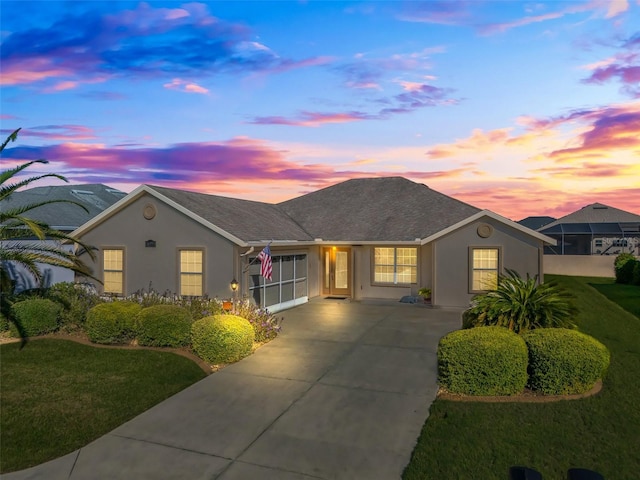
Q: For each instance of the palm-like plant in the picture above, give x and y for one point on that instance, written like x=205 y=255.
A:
x=521 y=305
x=16 y=229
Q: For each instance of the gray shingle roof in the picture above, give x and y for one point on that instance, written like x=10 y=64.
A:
x=376 y=209
x=245 y=219
x=534 y=223
x=64 y=216
x=596 y=213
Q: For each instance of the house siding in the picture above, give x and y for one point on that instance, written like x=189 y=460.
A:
x=158 y=266
x=519 y=252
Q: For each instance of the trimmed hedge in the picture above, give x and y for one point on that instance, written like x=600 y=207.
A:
x=563 y=361
x=482 y=361
x=623 y=266
x=164 y=326
x=112 y=322
x=222 y=338
x=35 y=316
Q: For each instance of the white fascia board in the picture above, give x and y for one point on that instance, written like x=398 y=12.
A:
x=139 y=192
x=307 y=243
x=494 y=216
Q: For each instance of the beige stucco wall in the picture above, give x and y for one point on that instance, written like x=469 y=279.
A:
x=171 y=230
x=518 y=251
x=580 y=265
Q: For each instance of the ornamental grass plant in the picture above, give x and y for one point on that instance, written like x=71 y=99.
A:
x=521 y=304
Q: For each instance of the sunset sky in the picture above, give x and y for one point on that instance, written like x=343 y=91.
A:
x=524 y=108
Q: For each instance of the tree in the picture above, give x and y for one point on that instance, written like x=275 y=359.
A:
x=17 y=231
x=521 y=305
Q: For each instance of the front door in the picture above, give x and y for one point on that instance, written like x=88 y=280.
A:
x=337 y=271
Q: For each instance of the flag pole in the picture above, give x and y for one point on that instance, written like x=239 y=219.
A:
x=246 y=267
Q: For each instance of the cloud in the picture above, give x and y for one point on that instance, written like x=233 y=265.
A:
x=623 y=67
x=603 y=8
x=56 y=132
x=417 y=97
x=437 y=12
x=367 y=72
x=144 y=41
x=185 y=86
x=478 y=142
x=311 y=119
x=609 y=130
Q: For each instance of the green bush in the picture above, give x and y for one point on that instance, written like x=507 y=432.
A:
x=482 y=361
x=35 y=316
x=635 y=278
x=623 y=266
x=4 y=323
x=112 y=322
x=222 y=338
x=76 y=300
x=164 y=326
x=265 y=324
x=564 y=361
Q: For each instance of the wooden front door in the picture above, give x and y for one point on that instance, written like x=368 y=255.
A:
x=336 y=271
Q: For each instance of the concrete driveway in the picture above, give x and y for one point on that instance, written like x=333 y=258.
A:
x=342 y=393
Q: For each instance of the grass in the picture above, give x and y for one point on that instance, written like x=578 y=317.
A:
x=627 y=296
x=482 y=440
x=58 y=395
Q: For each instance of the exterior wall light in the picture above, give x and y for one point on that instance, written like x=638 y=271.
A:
x=234 y=285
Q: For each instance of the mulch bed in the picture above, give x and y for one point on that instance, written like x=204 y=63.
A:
x=527 y=396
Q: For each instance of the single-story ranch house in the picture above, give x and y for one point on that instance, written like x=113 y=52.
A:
x=362 y=239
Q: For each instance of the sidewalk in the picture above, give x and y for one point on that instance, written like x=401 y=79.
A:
x=342 y=393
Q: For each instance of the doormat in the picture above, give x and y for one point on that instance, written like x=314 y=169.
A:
x=335 y=298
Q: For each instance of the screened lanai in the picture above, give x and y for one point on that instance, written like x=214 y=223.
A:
x=586 y=238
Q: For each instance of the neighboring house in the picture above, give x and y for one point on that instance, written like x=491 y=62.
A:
x=360 y=239
x=534 y=223
x=596 y=229
x=62 y=216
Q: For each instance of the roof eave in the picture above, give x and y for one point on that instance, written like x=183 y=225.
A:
x=494 y=216
x=146 y=189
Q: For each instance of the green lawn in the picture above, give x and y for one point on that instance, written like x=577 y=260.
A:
x=482 y=440
x=58 y=395
x=627 y=296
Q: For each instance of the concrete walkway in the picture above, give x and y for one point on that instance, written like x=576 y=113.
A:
x=342 y=393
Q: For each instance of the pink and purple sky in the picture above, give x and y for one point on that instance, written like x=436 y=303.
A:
x=524 y=108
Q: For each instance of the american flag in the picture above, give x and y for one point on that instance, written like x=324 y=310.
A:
x=265 y=258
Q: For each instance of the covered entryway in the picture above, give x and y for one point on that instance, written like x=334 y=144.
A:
x=336 y=271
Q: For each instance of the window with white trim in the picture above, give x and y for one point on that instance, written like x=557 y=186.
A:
x=191 y=273
x=485 y=265
x=395 y=265
x=113 y=270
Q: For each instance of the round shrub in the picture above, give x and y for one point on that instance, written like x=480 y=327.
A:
x=164 y=326
x=635 y=278
x=35 y=316
x=482 y=361
x=623 y=266
x=564 y=361
x=112 y=322
x=4 y=323
x=222 y=338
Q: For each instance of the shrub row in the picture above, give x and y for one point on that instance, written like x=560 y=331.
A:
x=627 y=268
x=220 y=338
x=496 y=361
